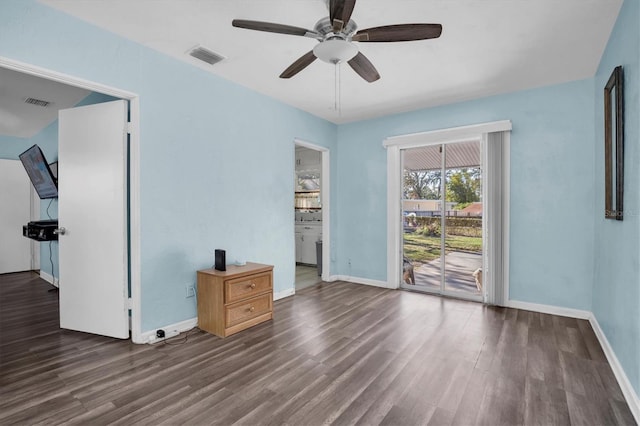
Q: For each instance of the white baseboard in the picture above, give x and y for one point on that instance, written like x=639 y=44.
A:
x=623 y=380
x=169 y=331
x=173 y=330
x=549 y=309
x=285 y=293
x=49 y=278
x=365 y=281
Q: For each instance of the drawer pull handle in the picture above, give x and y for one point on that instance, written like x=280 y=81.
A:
x=253 y=285
x=251 y=309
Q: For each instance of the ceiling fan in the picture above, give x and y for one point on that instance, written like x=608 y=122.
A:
x=336 y=34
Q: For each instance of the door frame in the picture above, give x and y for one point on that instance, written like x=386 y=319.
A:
x=134 y=173
x=393 y=145
x=34 y=209
x=325 y=199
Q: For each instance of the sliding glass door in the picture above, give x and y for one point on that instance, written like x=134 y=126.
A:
x=442 y=214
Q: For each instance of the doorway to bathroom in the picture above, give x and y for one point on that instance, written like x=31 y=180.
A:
x=311 y=218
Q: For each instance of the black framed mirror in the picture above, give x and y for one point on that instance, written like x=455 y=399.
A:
x=614 y=145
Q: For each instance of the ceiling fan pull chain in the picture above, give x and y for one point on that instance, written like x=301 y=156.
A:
x=339 y=90
x=335 y=87
x=337 y=103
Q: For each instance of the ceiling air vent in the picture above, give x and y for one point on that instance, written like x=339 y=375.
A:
x=206 y=55
x=37 y=102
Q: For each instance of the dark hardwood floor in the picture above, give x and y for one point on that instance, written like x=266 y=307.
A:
x=335 y=353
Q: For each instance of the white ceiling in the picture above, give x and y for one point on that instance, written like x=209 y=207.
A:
x=487 y=47
x=23 y=120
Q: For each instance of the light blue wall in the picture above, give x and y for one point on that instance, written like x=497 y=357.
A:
x=552 y=162
x=217 y=160
x=616 y=288
x=11 y=146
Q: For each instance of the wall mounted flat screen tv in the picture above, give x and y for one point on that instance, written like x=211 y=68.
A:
x=39 y=172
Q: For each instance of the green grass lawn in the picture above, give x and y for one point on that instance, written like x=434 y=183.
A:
x=423 y=249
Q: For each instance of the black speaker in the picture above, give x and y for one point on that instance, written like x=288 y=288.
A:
x=221 y=260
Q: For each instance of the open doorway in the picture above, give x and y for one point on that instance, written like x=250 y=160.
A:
x=130 y=108
x=29 y=108
x=311 y=207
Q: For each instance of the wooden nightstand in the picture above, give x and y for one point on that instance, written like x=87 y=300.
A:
x=236 y=299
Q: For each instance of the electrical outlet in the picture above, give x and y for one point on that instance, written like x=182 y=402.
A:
x=190 y=291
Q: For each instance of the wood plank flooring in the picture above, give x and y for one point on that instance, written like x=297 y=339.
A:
x=336 y=353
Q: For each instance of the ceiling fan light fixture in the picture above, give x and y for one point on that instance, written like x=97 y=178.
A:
x=336 y=33
x=335 y=51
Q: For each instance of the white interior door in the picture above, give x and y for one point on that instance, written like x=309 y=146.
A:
x=15 y=250
x=92 y=206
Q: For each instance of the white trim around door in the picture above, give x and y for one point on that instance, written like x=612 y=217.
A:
x=394 y=146
x=325 y=200
x=452 y=134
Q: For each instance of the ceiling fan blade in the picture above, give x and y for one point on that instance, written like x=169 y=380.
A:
x=303 y=62
x=401 y=32
x=340 y=13
x=270 y=27
x=364 y=68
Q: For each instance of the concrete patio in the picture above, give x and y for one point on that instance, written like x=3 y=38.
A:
x=459 y=267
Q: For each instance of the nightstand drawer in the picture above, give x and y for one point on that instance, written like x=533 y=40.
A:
x=248 y=309
x=243 y=288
